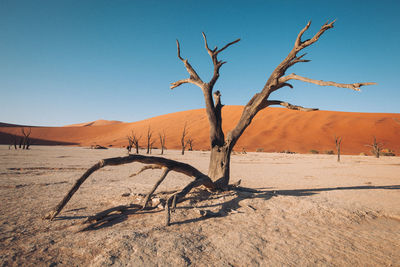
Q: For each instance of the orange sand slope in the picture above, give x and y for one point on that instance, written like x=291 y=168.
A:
x=272 y=130
x=94 y=123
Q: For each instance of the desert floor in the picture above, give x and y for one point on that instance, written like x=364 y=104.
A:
x=303 y=210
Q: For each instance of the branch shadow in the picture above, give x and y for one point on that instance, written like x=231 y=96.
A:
x=114 y=215
x=243 y=193
x=119 y=214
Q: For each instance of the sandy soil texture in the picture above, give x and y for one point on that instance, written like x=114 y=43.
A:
x=297 y=210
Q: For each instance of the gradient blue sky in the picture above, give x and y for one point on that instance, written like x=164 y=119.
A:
x=64 y=62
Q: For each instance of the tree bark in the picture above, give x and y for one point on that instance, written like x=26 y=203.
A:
x=219 y=168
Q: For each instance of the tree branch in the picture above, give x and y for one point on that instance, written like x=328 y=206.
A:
x=226 y=46
x=299 y=45
x=159 y=181
x=180 y=82
x=288 y=105
x=178 y=197
x=353 y=86
x=277 y=80
x=146 y=167
x=298 y=39
x=217 y=64
x=194 y=77
x=172 y=165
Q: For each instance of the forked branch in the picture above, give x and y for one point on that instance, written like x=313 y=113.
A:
x=217 y=64
x=278 y=80
x=212 y=109
x=299 y=44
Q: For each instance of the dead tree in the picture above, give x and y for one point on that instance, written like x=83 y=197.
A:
x=24 y=141
x=13 y=141
x=21 y=141
x=183 y=141
x=376 y=148
x=338 y=143
x=152 y=145
x=190 y=144
x=133 y=140
x=162 y=141
x=150 y=141
x=221 y=145
x=129 y=146
x=27 y=140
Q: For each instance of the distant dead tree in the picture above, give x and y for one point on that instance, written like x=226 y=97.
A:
x=13 y=141
x=130 y=144
x=133 y=140
x=150 y=141
x=376 y=148
x=162 y=141
x=26 y=140
x=222 y=145
x=190 y=144
x=183 y=141
x=338 y=143
x=23 y=142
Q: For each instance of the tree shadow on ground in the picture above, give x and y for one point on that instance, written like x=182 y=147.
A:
x=112 y=216
x=118 y=214
x=243 y=193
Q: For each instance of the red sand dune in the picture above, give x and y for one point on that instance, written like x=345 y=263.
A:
x=94 y=123
x=273 y=130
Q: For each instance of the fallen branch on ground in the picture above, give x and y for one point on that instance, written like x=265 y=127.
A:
x=166 y=164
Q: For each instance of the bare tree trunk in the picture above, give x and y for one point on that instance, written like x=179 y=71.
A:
x=129 y=147
x=137 y=148
x=190 y=144
x=13 y=141
x=133 y=141
x=162 y=141
x=338 y=143
x=25 y=140
x=28 y=143
x=149 y=141
x=219 y=167
x=376 y=148
x=151 y=146
x=183 y=143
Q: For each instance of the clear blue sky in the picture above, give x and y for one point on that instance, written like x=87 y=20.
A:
x=64 y=62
